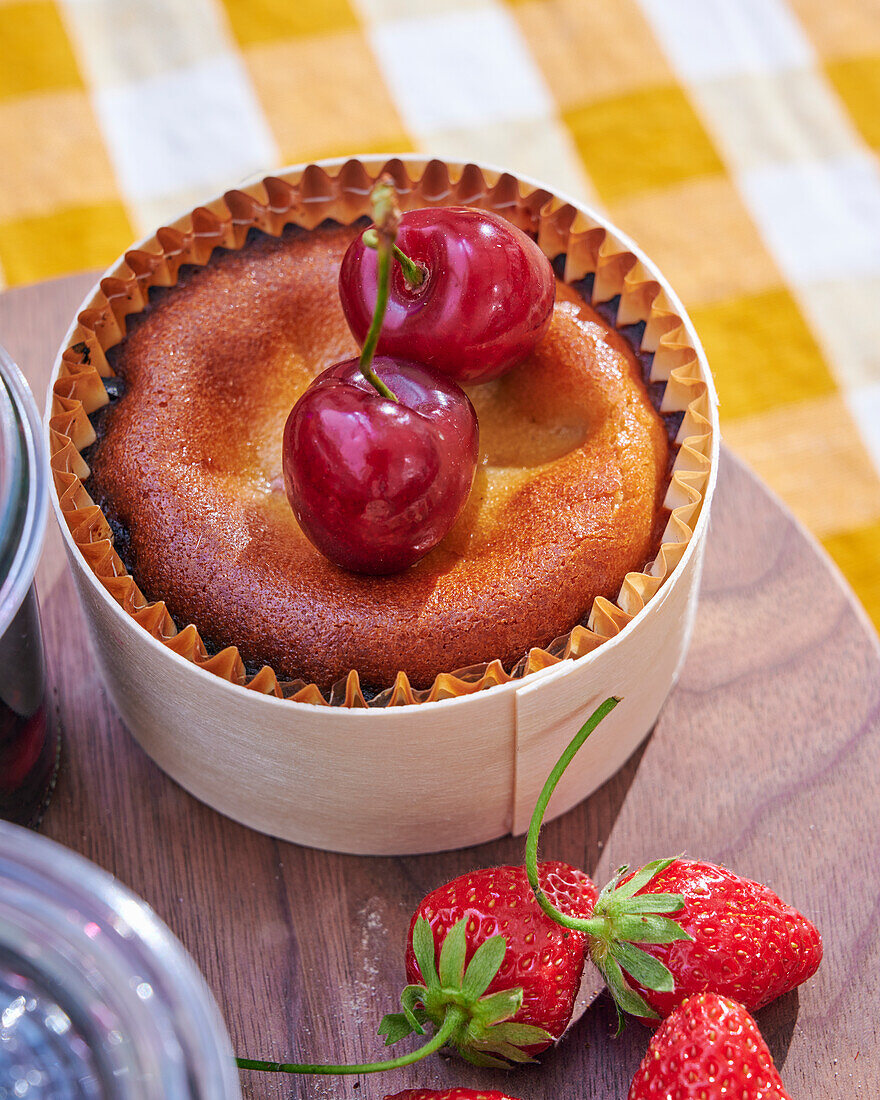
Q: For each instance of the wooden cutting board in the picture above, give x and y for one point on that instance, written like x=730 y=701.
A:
x=766 y=758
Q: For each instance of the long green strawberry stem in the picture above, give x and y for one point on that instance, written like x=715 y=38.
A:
x=454 y=1018
x=386 y=216
x=618 y=922
x=578 y=924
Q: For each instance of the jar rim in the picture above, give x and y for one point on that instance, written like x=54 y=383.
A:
x=51 y=890
x=24 y=488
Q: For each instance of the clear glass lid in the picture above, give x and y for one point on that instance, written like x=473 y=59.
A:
x=98 y=1000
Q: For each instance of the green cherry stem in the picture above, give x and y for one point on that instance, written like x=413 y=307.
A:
x=413 y=273
x=590 y=925
x=386 y=216
x=375 y=328
x=453 y=1019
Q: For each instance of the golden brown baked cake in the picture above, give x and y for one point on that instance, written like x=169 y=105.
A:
x=567 y=499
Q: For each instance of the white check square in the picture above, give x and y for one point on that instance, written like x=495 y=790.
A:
x=122 y=41
x=196 y=127
x=539 y=148
x=377 y=10
x=864 y=404
x=771 y=117
x=845 y=318
x=820 y=219
x=712 y=39
x=458 y=69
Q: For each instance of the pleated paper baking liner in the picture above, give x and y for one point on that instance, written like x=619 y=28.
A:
x=341 y=192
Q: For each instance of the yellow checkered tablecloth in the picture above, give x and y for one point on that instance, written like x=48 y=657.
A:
x=735 y=140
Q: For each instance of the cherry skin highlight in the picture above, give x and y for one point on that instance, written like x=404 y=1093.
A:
x=485 y=300
x=375 y=483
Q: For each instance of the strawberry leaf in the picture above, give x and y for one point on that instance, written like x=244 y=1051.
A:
x=507 y=1050
x=644 y=968
x=395 y=1026
x=479 y=1058
x=411 y=996
x=483 y=967
x=423 y=949
x=452 y=955
x=498 y=1006
x=624 y=995
x=521 y=1035
x=649 y=929
x=641 y=878
x=611 y=886
x=651 y=903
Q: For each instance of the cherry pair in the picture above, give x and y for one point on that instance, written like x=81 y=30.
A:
x=380 y=452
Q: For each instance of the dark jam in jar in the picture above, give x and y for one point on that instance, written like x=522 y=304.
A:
x=28 y=742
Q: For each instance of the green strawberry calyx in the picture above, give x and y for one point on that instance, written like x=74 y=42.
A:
x=620 y=920
x=478 y=1024
x=485 y=1033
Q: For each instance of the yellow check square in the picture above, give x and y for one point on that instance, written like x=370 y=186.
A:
x=67 y=167
x=701 y=236
x=255 y=21
x=857 y=80
x=858 y=553
x=647 y=139
x=74 y=239
x=35 y=54
x=838 y=28
x=761 y=353
x=812 y=454
x=590 y=49
x=325 y=97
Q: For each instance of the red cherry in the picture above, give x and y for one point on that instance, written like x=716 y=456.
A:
x=376 y=483
x=485 y=300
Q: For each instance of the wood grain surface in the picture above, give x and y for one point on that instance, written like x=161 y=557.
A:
x=766 y=758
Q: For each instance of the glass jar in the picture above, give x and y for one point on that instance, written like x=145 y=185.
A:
x=29 y=743
x=98 y=1000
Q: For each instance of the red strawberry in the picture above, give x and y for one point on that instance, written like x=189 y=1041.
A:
x=449 y=1094
x=518 y=999
x=730 y=935
x=708 y=1049
x=498 y=982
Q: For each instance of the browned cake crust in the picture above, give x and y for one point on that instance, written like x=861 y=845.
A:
x=188 y=465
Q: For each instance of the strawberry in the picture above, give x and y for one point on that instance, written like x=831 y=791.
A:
x=730 y=935
x=493 y=976
x=708 y=1049
x=450 y=1094
x=518 y=999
